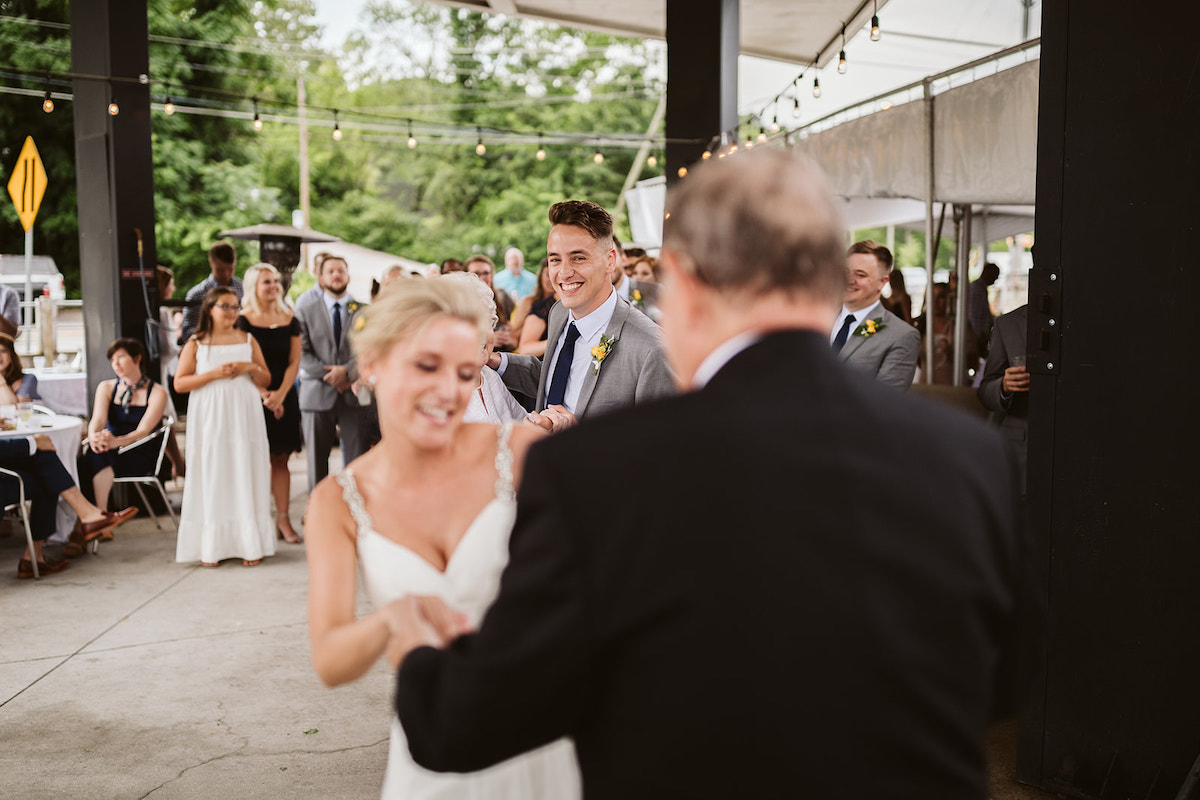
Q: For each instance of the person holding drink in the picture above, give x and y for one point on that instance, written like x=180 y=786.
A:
x=1004 y=389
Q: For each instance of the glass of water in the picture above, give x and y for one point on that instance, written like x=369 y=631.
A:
x=25 y=414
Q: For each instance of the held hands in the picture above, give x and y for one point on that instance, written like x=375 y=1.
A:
x=553 y=419
x=100 y=441
x=273 y=402
x=337 y=377
x=414 y=621
x=1016 y=379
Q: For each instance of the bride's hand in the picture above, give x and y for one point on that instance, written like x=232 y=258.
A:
x=420 y=621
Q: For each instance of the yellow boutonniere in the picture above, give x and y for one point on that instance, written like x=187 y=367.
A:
x=600 y=352
x=635 y=298
x=870 y=327
x=352 y=306
x=360 y=323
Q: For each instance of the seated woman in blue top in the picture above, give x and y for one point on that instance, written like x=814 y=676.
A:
x=22 y=385
x=126 y=409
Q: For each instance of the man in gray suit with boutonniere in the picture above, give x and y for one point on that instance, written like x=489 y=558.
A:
x=327 y=371
x=866 y=335
x=601 y=354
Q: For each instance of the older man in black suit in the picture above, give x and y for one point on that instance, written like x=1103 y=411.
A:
x=821 y=597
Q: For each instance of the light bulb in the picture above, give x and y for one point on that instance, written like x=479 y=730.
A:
x=540 y=155
x=762 y=135
x=47 y=103
x=816 y=87
x=480 y=149
x=412 y=141
x=652 y=161
x=682 y=172
x=168 y=107
x=733 y=147
x=337 y=133
x=113 y=108
x=775 y=124
x=749 y=142
x=842 y=63
x=257 y=122
x=875 y=28
x=706 y=155
x=796 y=108
x=598 y=158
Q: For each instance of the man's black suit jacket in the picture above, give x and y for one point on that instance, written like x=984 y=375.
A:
x=817 y=595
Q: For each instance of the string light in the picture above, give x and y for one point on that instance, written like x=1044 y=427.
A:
x=412 y=140
x=796 y=107
x=168 y=107
x=257 y=120
x=598 y=157
x=479 y=148
x=816 y=86
x=775 y=120
x=842 y=55
x=47 y=103
x=682 y=172
x=113 y=108
x=337 y=129
x=541 y=151
x=875 y=35
x=762 y=135
x=707 y=154
x=749 y=142
x=652 y=161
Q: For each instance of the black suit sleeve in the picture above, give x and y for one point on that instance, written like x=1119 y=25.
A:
x=520 y=681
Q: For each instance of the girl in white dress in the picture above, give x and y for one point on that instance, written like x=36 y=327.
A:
x=227 y=497
x=427 y=511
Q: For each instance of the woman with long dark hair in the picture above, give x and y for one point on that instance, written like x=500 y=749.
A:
x=227 y=498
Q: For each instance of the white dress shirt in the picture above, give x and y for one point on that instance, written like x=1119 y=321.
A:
x=330 y=302
x=721 y=355
x=591 y=328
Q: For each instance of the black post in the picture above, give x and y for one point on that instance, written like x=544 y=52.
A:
x=114 y=172
x=1111 y=439
x=702 y=52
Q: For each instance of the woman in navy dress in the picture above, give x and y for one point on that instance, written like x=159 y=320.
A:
x=273 y=325
x=126 y=409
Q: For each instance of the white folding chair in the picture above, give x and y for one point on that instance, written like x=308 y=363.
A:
x=23 y=505
x=40 y=409
x=163 y=433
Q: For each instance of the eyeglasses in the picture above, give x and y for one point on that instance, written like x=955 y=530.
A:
x=228 y=307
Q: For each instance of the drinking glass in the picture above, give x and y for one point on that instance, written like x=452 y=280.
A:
x=25 y=414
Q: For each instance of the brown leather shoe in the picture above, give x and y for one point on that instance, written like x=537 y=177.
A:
x=110 y=520
x=25 y=567
x=76 y=545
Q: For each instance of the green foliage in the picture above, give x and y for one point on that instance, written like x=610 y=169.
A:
x=214 y=172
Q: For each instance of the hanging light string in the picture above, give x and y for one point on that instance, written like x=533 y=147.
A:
x=261 y=113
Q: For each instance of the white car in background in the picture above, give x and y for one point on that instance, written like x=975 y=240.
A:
x=44 y=273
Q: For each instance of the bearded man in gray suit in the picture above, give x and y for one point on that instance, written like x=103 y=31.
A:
x=866 y=335
x=327 y=371
x=601 y=354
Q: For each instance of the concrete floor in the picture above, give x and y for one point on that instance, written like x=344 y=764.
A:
x=131 y=676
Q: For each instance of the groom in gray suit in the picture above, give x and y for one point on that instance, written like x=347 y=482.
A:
x=601 y=355
x=327 y=370
x=866 y=335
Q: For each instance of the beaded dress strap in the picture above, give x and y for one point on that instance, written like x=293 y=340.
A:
x=358 y=509
x=504 y=464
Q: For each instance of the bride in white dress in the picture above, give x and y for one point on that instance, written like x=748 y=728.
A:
x=428 y=511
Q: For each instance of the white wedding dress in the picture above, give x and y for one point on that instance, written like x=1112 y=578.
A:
x=226 y=510
x=469 y=584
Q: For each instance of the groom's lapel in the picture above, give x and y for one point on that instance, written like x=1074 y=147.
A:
x=613 y=331
x=556 y=320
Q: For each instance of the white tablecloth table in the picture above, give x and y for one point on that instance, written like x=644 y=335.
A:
x=63 y=392
x=66 y=432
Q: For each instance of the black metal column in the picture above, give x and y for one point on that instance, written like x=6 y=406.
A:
x=114 y=172
x=702 y=52
x=1112 y=440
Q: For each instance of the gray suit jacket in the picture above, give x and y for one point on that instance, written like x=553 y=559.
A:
x=1008 y=339
x=317 y=350
x=634 y=371
x=649 y=301
x=890 y=354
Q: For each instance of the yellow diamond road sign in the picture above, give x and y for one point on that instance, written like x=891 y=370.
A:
x=28 y=183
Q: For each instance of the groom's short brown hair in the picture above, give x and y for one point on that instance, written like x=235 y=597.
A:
x=582 y=214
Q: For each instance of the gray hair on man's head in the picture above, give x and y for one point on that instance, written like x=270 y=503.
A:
x=758 y=223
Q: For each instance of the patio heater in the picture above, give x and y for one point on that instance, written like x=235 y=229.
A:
x=279 y=245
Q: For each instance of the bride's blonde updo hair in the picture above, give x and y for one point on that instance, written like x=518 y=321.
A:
x=407 y=307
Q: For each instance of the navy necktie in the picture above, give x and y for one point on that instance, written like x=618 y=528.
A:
x=562 y=368
x=839 y=341
x=337 y=324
